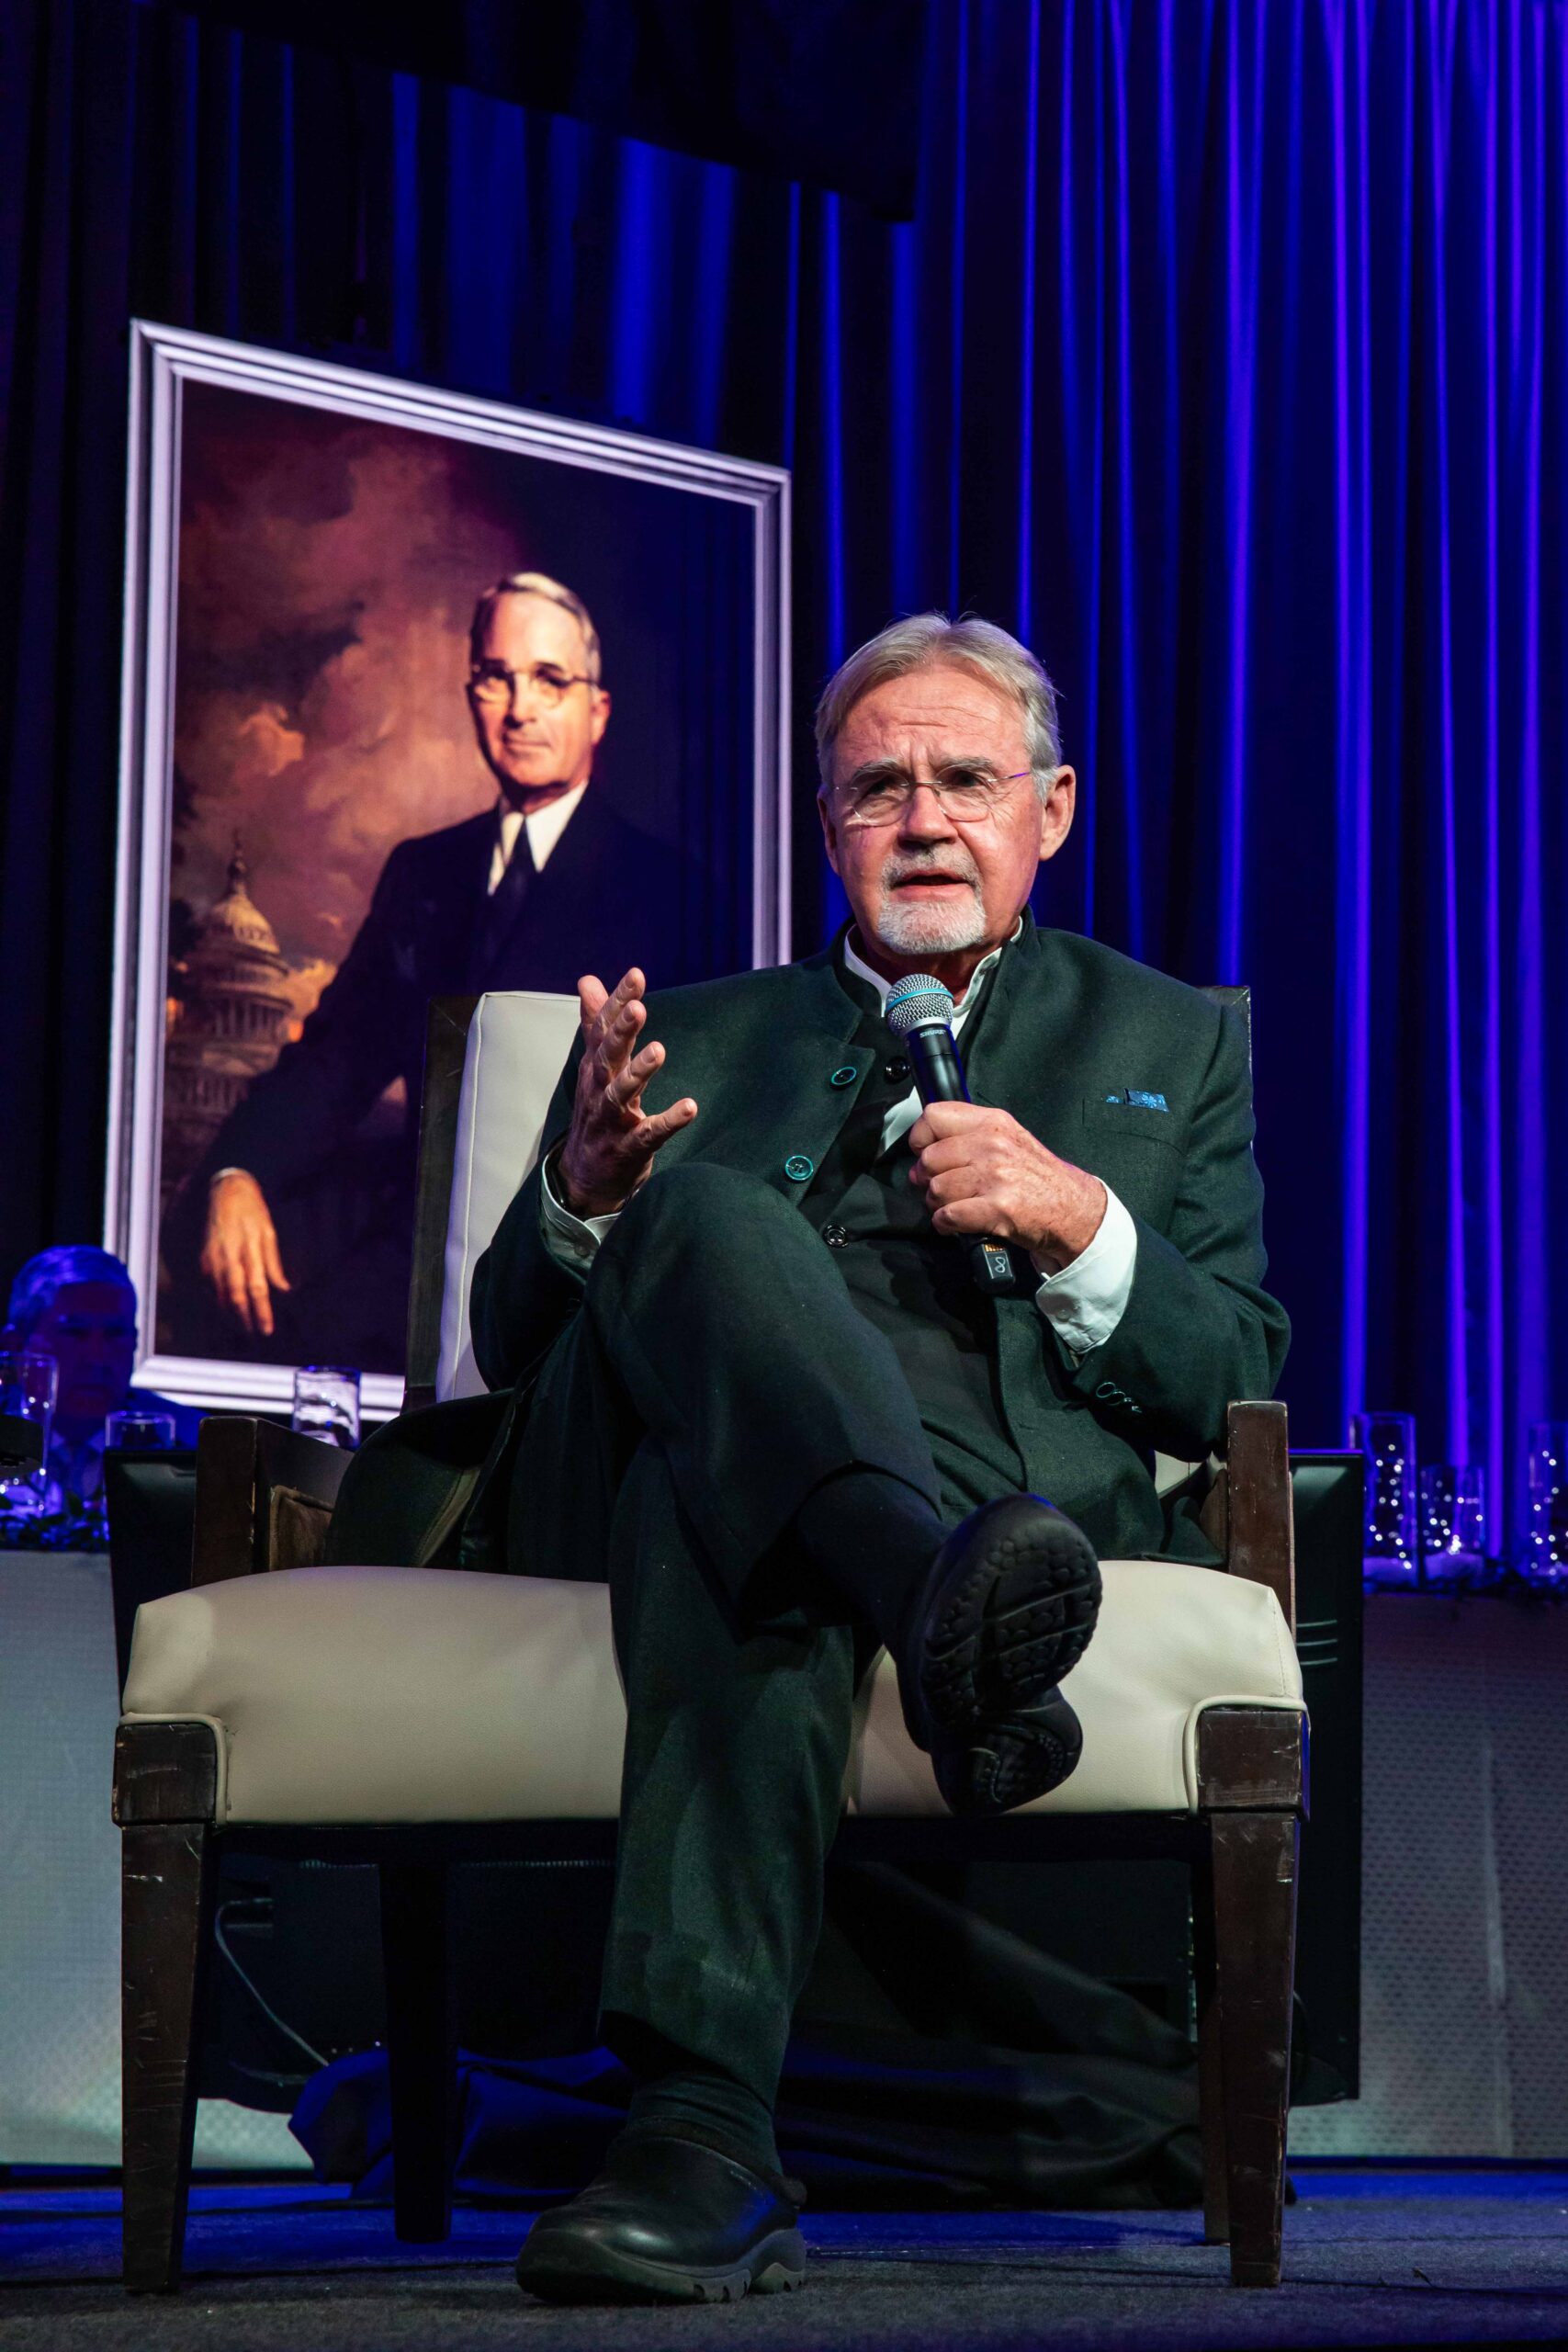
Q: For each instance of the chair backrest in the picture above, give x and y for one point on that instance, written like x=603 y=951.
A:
x=1234 y=998
x=491 y=1063
x=491 y=1068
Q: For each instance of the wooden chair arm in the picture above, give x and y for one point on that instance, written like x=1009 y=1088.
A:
x=1247 y=1512
x=264 y=1498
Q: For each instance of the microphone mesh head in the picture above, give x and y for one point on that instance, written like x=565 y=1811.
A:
x=919 y=1001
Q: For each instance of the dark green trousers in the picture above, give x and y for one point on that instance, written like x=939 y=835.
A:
x=718 y=1372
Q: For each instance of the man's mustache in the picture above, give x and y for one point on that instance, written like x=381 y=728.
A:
x=951 y=868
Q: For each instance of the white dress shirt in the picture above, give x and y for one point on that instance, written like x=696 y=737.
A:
x=545 y=825
x=1083 y=1303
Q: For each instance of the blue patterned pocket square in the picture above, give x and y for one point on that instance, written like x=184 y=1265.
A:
x=1140 y=1100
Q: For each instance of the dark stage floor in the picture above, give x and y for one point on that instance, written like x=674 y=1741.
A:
x=1373 y=2256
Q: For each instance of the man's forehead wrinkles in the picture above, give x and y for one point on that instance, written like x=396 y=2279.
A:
x=956 y=732
x=946 y=718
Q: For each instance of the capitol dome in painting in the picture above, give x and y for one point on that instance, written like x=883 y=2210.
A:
x=230 y=1021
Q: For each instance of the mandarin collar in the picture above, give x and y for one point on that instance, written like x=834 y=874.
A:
x=862 y=970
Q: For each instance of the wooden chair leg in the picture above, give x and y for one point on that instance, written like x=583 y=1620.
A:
x=1211 y=2065
x=422 y=2052
x=1253 y=1870
x=166 y=1878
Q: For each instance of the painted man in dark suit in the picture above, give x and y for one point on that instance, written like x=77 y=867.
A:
x=744 y=1372
x=549 y=881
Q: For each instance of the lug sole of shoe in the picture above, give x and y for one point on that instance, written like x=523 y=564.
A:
x=775 y=2267
x=1008 y=1766
x=1018 y=1620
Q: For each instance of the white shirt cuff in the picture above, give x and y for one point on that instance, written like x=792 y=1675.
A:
x=1085 y=1302
x=570 y=1240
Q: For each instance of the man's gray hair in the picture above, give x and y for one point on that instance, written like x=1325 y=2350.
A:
x=930 y=640
x=535 y=583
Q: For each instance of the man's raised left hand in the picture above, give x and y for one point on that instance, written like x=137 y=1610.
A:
x=982 y=1174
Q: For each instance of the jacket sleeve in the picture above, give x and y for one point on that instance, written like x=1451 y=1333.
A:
x=351 y=1047
x=1199 y=1329
x=522 y=1295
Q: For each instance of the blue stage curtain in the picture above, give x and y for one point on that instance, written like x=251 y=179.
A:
x=1223 y=359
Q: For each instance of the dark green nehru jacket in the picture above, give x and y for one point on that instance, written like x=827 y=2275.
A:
x=1116 y=1067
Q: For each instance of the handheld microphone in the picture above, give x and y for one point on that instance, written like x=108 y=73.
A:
x=919 y=1012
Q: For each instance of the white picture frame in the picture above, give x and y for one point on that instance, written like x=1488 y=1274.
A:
x=165 y=363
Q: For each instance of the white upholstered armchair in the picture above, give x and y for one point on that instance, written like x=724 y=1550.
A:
x=409 y=1715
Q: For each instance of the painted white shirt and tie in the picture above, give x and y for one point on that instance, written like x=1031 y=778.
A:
x=545 y=825
x=1083 y=1303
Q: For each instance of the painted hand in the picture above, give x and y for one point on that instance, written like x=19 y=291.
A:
x=239 y=1256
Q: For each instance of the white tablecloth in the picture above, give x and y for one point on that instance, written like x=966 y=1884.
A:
x=60 y=1884
x=1465 y=1887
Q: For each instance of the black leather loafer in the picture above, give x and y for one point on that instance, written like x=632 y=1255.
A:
x=1011 y=1762
x=669 y=2220
x=1007 y=1606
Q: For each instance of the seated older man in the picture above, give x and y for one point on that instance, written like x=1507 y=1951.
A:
x=78 y=1304
x=758 y=1388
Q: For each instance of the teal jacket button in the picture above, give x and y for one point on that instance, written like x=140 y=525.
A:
x=797 y=1168
x=845 y=1077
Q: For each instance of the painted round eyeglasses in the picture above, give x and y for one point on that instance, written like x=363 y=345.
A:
x=493 y=682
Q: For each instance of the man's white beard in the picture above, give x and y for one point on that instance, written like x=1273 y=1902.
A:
x=909 y=928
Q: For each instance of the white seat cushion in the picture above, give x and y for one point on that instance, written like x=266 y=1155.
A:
x=418 y=1694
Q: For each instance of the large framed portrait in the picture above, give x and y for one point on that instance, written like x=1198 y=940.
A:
x=424 y=696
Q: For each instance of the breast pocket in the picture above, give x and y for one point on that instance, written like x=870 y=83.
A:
x=1111 y=1114
x=1136 y=1149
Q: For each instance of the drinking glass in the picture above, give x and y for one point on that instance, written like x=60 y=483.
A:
x=28 y=1387
x=143 y=1429
x=326 y=1403
x=1453 y=1524
x=1546 y=1538
x=1390 y=1561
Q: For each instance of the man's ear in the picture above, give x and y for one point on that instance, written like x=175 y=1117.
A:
x=599 y=718
x=1056 y=812
x=830 y=833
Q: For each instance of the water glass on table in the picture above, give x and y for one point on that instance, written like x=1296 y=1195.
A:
x=1391 y=1560
x=1546 y=1537
x=137 y=1429
x=1454 y=1525
x=147 y=1432
x=326 y=1403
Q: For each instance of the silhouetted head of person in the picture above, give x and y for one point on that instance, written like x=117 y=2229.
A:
x=78 y=1304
